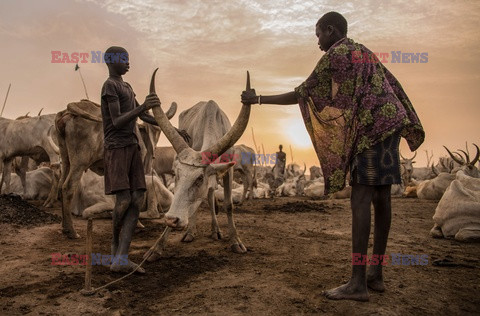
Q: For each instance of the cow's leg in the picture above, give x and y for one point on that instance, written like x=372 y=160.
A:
x=245 y=187
x=53 y=195
x=21 y=171
x=383 y=216
x=99 y=208
x=436 y=231
x=151 y=203
x=235 y=242
x=216 y=233
x=191 y=232
x=250 y=185
x=468 y=234
x=68 y=190
x=6 y=175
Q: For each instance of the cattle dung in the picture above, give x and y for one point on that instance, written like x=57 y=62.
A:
x=16 y=211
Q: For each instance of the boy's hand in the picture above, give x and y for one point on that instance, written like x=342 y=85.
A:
x=152 y=101
x=249 y=97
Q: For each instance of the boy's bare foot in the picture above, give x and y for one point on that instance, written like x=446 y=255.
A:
x=348 y=292
x=126 y=268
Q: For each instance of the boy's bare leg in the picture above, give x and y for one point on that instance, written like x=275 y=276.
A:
x=383 y=216
x=356 y=288
x=128 y=225
x=122 y=203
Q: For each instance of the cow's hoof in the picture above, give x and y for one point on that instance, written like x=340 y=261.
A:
x=188 y=237
x=152 y=255
x=217 y=235
x=70 y=234
x=436 y=232
x=238 y=248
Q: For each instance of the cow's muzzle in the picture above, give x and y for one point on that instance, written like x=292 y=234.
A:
x=174 y=222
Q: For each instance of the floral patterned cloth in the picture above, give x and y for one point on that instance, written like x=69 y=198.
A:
x=351 y=102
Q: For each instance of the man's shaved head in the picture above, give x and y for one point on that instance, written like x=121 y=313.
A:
x=334 y=19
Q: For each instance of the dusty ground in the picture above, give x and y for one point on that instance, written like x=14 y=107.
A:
x=292 y=258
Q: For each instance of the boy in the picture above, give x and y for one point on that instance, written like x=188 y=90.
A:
x=355 y=112
x=124 y=172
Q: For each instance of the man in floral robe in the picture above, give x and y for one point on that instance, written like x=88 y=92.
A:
x=355 y=112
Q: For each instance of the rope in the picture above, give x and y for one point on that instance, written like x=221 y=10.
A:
x=94 y=290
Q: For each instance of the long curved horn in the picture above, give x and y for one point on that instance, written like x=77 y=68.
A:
x=51 y=142
x=172 y=110
x=237 y=129
x=39 y=113
x=414 y=155
x=170 y=132
x=453 y=157
x=434 y=170
x=304 y=168
x=467 y=156
x=477 y=156
x=402 y=156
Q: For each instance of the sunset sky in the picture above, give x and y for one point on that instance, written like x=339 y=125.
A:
x=204 y=48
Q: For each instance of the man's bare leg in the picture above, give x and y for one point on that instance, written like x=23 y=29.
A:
x=382 y=204
x=128 y=226
x=356 y=288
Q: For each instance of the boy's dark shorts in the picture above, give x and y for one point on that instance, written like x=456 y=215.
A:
x=124 y=169
x=379 y=165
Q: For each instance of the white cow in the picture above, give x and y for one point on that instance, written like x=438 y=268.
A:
x=458 y=213
x=195 y=174
x=30 y=137
x=38 y=184
x=90 y=199
x=435 y=188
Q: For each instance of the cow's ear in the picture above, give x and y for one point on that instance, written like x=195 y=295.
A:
x=221 y=168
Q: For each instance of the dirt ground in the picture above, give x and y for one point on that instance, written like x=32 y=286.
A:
x=297 y=249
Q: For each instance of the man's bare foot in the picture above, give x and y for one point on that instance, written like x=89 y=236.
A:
x=375 y=283
x=126 y=268
x=348 y=292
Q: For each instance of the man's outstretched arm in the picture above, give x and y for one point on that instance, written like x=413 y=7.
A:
x=250 y=97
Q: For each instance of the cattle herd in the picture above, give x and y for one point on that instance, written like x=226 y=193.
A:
x=59 y=158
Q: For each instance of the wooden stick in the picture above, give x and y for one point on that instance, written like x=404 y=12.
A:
x=84 y=86
x=88 y=270
x=5 y=102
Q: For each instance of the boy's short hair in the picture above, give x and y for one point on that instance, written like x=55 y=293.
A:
x=115 y=54
x=334 y=19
